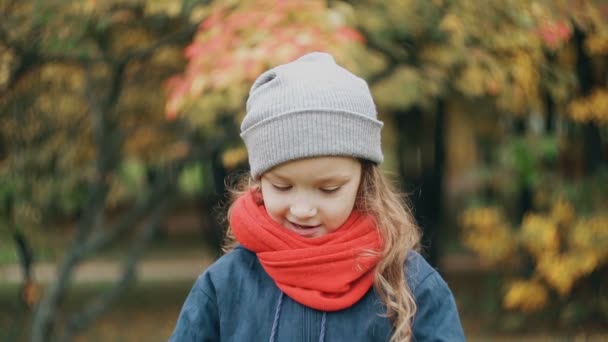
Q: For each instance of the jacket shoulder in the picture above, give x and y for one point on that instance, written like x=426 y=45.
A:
x=417 y=270
x=437 y=317
x=238 y=257
x=237 y=263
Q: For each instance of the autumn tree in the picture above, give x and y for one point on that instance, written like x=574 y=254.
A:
x=81 y=103
x=234 y=45
x=429 y=63
x=85 y=128
x=549 y=235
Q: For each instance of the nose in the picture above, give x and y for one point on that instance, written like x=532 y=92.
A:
x=302 y=210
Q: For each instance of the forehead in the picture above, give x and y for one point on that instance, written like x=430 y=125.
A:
x=317 y=169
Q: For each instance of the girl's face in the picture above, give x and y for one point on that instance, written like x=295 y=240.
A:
x=314 y=196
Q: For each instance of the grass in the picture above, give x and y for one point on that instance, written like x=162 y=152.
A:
x=145 y=312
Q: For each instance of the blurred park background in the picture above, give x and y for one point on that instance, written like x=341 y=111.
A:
x=119 y=127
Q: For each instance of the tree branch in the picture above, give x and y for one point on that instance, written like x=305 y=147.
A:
x=182 y=36
x=393 y=60
x=29 y=59
x=48 y=306
x=103 y=238
x=99 y=305
x=166 y=185
x=107 y=139
x=9 y=6
x=105 y=151
x=92 y=216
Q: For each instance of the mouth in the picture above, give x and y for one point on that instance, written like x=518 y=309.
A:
x=304 y=230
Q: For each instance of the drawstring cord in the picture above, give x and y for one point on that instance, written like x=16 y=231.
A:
x=322 y=334
x=277 y=315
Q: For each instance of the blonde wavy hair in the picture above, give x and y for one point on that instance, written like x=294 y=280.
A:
x=396 y=224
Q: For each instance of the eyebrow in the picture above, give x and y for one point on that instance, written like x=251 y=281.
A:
x=331 y=178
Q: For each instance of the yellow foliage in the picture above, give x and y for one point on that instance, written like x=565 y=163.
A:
x=66 y=77
x=402 y=89
x=413 y=17
x=597 y=44
x=525 y=295
x=563 y=270
x=234 y=156
x=487 y=233
x=146 y=141
x=591 y=108
x=485 y=74
x=565 y=248
x=440 y=55
x=471 y=81
x=171 y=8
x=367 y=62
x=483 y=218
x=526 y=81
x=133 y=39
x=452 y=24
x=563 y=212
x=7 y=58
x=581 y=250
x=168 y=55
x=591 y=235
x=539 y=234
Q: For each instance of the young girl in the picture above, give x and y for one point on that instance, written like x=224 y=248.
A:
x=324 y=247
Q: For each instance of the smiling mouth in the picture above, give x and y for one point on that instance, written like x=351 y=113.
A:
x=298 y=228
x=303 y=227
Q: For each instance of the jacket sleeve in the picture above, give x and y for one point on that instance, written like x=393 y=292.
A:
x=436 y=315
x=199 y=317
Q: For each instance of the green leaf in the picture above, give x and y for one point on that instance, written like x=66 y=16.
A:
x=132 y=174
x=191 y=179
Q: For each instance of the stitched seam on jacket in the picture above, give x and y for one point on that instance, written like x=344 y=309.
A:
x=432 y=272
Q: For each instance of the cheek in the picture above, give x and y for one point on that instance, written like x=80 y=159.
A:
x=339 y=210
x=274 y=205
x=275 y=211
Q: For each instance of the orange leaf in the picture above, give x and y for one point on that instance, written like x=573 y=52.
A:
x=346 y=34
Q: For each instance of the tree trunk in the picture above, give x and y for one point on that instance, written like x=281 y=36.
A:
x=549 y=114
x=435 y=195
x=592 y=143
x=525 y=193
x=428 y=183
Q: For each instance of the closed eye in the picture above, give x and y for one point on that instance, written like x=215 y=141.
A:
x=281 y=187
x=330 y=190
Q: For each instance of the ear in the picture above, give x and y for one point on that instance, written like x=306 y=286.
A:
x=257 y=194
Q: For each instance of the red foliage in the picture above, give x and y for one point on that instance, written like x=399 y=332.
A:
x=235 y=45
x=349 y=34
x=554 y=33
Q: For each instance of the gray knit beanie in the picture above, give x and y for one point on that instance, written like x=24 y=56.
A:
x=307 y=108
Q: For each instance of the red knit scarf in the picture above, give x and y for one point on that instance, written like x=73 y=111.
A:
x=329 y=273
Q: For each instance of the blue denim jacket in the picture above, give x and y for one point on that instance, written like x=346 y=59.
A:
x=235 y=300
